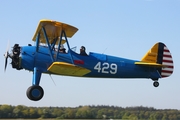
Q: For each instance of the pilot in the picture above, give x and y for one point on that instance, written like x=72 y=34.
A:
x=62 y=49
x=83 y=51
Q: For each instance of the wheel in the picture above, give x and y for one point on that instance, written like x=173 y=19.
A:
x=156 y=84
x=35 y=92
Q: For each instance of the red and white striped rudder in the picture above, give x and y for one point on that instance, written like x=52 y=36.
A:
x=167 y=61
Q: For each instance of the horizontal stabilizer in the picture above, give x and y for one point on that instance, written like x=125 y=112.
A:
x=150 y=64
x=63 y=68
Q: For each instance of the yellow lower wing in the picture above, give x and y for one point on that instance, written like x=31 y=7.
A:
x=63 y=68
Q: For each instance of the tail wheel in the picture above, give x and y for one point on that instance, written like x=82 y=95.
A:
x=156 y=84
x=35 y=92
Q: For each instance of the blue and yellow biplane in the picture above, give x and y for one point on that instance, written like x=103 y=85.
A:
x=48 y=56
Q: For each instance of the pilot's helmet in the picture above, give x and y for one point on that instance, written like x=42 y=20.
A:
x=83 y=48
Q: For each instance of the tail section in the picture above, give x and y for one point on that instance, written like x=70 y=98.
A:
x=160 y=56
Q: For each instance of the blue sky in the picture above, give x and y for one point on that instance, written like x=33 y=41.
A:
x=124 y=28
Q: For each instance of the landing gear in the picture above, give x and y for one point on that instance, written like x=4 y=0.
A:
x=35 y=92
x=156 y=83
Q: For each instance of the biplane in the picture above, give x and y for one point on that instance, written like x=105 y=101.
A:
x=46 y=57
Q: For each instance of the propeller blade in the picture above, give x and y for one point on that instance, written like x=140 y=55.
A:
x=6 y=61
x=6 y=55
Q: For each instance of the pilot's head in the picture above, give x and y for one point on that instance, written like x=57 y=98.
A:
x=62 y=49
x=83 y=48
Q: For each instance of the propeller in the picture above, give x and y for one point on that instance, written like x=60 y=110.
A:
x=6 y=55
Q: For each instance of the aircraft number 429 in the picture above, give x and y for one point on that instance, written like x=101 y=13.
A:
x=106 y=68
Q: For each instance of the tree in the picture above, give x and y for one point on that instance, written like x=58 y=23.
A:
x=83 y=113
x=126 y=115
x=133 y=117
x=17 y=113
x=88 y=112
x=33 y=113
x=6 y=111
x=57 y=113
x=100 y=113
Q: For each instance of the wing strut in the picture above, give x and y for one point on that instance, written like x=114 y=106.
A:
x=59 y=44
x=63 y=33
x=69 y=48
x=37 y=41
x=54 y=43
x=47 y=41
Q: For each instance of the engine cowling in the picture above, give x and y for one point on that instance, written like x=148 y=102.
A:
x=16 y=57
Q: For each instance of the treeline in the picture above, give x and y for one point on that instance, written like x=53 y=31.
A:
x=88 y=112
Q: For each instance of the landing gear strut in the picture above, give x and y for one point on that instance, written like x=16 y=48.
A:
x=35 y=92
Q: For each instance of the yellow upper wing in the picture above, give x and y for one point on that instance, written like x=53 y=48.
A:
x=63 y=68
x=53 y=30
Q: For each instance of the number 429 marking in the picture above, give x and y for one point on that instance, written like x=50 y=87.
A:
x=106 y=68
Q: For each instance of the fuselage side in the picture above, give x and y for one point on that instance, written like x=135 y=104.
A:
x=100 y=65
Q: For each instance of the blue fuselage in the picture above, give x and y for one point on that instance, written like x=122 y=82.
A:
x=100 y=65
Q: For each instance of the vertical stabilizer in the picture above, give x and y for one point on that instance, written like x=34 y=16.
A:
x=160 y=54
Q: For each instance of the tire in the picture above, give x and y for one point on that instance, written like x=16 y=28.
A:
x=35 y=92
x=156 y=84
